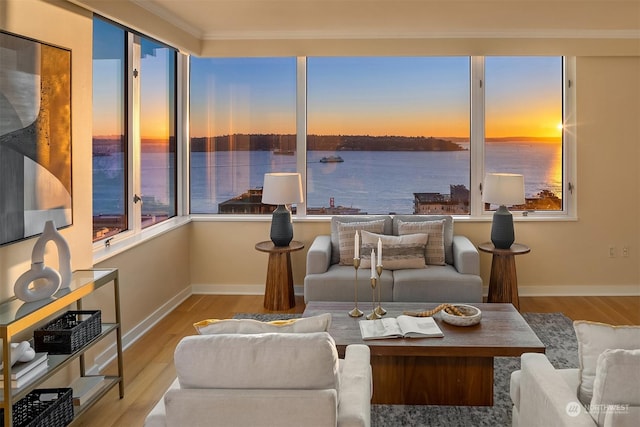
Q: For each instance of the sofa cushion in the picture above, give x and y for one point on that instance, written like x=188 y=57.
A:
x=346 y=237
x=448 y=230
x=593 y=339
x=345 y=219
x=616 y=383
x=398 y=252
x=434 y=250
x=436 y=283
x=258 y=361
x=318 y=323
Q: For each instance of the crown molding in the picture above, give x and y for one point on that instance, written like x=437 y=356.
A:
x=364 y=35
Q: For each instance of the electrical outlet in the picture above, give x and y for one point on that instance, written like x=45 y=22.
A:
x=612 y=251
x=625 y=251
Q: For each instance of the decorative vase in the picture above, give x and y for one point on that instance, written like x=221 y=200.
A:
x=46 y=281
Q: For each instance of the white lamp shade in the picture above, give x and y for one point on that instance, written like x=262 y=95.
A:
x=282 y=189
x=503 y=189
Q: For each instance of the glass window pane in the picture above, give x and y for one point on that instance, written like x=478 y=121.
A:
x=523 y=125
x=109 y=142
x=242 y=125
x=388 y=135
x=157 y=132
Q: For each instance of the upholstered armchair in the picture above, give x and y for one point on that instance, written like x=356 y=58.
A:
x=545 y=396
x=268 y=379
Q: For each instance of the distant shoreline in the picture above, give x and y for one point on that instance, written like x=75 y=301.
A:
x=279 y=142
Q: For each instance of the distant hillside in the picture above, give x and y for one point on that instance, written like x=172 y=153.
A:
x=270 y=142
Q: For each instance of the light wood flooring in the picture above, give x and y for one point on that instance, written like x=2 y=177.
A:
x=149 y=362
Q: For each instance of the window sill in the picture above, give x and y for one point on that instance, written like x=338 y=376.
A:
x=120 y=244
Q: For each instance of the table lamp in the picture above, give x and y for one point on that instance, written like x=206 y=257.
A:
x=282 y=189
x=503 y=189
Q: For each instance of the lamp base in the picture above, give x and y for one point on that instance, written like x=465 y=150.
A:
x=281 y=227
x=502 y=234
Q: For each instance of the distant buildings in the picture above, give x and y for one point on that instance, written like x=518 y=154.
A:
x=457 y=202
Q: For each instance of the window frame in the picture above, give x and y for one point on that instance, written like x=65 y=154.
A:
x=477 y=144
x=135 y=234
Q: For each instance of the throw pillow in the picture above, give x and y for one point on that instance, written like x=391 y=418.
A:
x=616 y=383
x=346 y=237
x=318 y=323
x=593 y=339
x=398 y=252
x=434 y=250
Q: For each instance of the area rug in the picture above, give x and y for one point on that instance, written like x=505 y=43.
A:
x=555 y=330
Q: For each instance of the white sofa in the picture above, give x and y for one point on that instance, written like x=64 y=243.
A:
x=267 y=379
x=456 y=280
x=545 y=396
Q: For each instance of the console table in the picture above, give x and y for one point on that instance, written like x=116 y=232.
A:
x=18 y=317
x=503 y=284
x=278 y=293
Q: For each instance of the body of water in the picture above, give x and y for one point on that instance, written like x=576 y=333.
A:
x=373 y=181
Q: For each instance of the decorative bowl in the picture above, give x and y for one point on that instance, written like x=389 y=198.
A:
x=472 y=315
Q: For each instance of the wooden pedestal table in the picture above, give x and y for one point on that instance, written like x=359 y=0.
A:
x=503 y=284
x=278 y=293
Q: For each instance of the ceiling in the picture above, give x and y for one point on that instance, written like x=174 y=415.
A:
x=203 y=21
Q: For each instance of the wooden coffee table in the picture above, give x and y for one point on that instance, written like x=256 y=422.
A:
x=454 y=370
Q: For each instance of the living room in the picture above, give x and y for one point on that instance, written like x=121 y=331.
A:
x=216 y=255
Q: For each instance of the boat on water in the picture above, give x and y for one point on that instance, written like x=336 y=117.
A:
x=332 y=159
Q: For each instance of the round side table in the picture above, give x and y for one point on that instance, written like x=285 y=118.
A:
x=503 y=284
x=278 y=293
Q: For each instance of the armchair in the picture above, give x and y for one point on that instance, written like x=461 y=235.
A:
x=545 y=396
x=265 y=380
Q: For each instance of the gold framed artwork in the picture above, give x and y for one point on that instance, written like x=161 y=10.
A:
x=35 y=137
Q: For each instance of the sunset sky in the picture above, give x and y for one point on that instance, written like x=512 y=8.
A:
x=404 y=96
x=414 y=96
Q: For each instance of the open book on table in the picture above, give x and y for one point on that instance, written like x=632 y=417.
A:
x=400 y=327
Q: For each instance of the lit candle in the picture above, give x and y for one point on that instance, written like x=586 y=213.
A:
x=356 y=249
x=373 y=267
x=379 y=251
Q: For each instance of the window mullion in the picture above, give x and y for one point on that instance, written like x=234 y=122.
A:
x=477 y=134
x=301 y=128
x=133 y=77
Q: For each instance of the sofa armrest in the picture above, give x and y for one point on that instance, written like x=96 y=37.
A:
x=158 y=415
x=545 y=396
x=354 y=408
x=466 y=258
x=319 y=255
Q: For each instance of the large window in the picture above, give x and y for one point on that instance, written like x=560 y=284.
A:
x=382 y=134
x=388 y=135
x=134 y=131
x=157 y=132
x=110 y=209
x=242 y=125
x=524 y=125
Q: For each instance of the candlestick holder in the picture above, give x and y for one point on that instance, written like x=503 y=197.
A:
x=356 y=312
x=379 y=310
x=373 y=315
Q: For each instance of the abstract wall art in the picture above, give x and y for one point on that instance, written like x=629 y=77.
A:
x=35 y=137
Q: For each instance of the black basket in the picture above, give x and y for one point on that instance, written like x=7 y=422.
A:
x=46 y=407
x=68 y=333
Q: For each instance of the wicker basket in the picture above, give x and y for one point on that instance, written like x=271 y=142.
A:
x=68 y=333
x=47 y=407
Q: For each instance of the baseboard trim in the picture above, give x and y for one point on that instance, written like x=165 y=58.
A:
x=579 y=290
x=523 y=291
x=204 y=289
x=109 y=354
